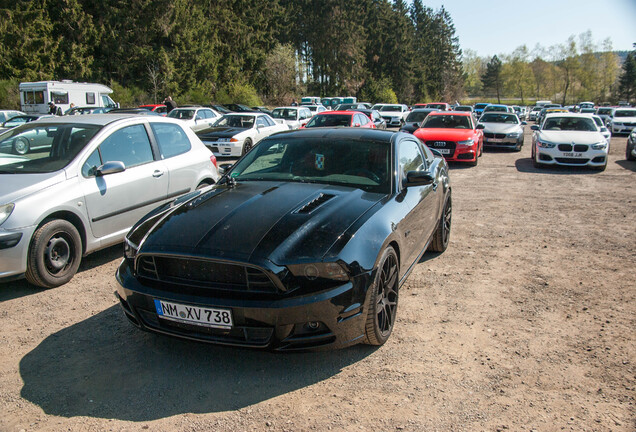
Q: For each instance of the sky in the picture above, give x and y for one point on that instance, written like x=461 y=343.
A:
x=491 y=27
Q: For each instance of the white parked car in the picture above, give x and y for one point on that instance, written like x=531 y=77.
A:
x=569 y=139
x=623 y=120
x=236 y=133
x=197 y=118
x=293 y=117
x=394 y=114
x=502 y=130
x=315 y=109
x=9 y=114
x=86 y=182
x=602 y=128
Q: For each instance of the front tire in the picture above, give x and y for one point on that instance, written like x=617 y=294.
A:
x=384 y=299
x=441 y=237
x=628 y=154
x=54 y=255
x=247 y=146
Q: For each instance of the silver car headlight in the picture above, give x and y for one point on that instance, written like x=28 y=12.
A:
x=466 y=143
x=599 y=146
x=5 y=212
x=545 y=144
x=514 y=135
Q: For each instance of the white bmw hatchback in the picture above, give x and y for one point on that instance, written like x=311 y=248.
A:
x=569 y=139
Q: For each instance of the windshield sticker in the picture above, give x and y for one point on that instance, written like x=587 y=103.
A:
x=235 y=174
x=320 y=162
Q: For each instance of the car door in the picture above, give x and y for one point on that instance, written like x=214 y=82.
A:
x=421 y=200
x=114 y=202
x=263 y=129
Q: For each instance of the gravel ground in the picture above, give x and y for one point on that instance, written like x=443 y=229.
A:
x=526 y=322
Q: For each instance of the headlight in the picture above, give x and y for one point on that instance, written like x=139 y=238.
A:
x=599 y=146
x=5 y=212
x=466 y=143
x=544 y=144
x=313 y=271
x=130 y=249
x=514 y=135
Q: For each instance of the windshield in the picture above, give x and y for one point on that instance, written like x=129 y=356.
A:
x=625 y=113
x=329 y=120
x=446 y=122
x=499 y=118
x=496 y=108
x=417 y=116
x=436 y=106
x=391 y=108
x=569 y=124
x=236 y=120
x=17 y=121
x=480 y=105
x=359 y=164
x=285 y=113
x=604 y=111
x=463 y=108
x=181 y=114
x=42 y=148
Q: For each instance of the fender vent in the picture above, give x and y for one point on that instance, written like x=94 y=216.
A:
x=314 y=204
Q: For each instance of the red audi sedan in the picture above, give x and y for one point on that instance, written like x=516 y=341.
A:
x=453 y=134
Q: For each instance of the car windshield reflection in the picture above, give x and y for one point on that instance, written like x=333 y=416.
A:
x=363 y=165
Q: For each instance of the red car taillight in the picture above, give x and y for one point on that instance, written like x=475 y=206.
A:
x=213 y=160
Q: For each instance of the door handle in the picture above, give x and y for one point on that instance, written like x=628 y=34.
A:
x=435 y=186
x=157 y=173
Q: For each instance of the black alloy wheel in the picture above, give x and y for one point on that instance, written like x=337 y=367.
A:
x=384 y=299
x=441 y=238
x=247 y=146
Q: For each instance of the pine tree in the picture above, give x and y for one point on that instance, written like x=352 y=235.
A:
x=627 y=82
x=492 y=77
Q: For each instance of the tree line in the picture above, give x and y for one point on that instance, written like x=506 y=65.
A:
x=578 y=70
x=199 y=51
x=235 y=50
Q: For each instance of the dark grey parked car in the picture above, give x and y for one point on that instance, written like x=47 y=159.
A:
x=415 y=119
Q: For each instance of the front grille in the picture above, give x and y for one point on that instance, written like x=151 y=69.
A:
x=580 y=148
x=565 y=147
x=494 y=135
x=572 y=161
x=204 y=273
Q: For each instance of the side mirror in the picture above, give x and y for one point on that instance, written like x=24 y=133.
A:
x=419 y=178
x=225 y=167
x=110 y=168
x=535 y=127
x=480 y=126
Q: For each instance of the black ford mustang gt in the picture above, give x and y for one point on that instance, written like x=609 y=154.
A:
x=304 y=243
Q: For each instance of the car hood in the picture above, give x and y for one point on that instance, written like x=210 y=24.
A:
x=254 y=221
x=501 y=127
x=16 y=186
x=444 y=134
x=391 y=113
x=624 y=119
x=220 y=132
x=569 y=137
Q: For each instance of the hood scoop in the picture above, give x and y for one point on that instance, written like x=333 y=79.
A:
x=314 y=204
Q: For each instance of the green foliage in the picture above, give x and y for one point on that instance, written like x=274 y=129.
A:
x=130 y=96
x=239 y=92
x=379 y=91
x=9 y=94
x=627 y=83
x=280 y=74
x=491 y=79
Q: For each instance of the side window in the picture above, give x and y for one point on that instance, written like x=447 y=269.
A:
x=269 y=121
x=172 y=140
x=409 y=158
x=90 y=98
x=260 y=121
x=364 y=119
x=129 y=145
x=91 y=164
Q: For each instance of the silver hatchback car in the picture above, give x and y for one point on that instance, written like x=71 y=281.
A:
x=83 y=182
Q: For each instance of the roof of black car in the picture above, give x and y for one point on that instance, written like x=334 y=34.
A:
x=362 y=134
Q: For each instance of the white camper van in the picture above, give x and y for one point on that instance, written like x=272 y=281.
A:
x=35 y=96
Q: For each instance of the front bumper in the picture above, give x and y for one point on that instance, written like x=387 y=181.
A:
x=506 y=142
x=554 y=156
x=284 y=323
x=393 y=121
x=622 y=128
x=227 y=149
x=14 y=247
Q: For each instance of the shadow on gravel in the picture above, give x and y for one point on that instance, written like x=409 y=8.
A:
x=104 y=367
x=629 y=165
x=525 y=165
x=21 y=288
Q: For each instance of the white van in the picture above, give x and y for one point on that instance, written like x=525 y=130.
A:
x=542 y=103
x=35 y=96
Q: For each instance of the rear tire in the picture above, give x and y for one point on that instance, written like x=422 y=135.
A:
x=384 y=299
x=247 y=146
x=54 y=255
x=21 y=146
x=441 y=237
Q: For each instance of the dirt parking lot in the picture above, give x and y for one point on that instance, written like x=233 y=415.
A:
x=527 y=322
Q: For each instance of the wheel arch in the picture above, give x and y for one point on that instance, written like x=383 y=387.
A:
x=70 y=217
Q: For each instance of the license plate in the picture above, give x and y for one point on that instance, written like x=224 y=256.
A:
x=573 y=155
x=495 y=140
x=444 y=151
x=208 y=317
